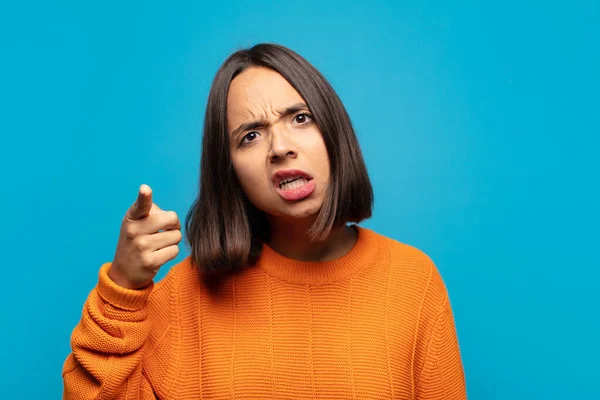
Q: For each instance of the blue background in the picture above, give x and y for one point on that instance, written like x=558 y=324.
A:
x=479 y=124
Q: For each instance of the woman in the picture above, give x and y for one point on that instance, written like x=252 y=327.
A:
x=280 y=298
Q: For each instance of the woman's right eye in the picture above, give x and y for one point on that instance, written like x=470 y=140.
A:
x=251 y=136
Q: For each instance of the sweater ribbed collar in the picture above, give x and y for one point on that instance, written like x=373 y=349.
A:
x=360 y=256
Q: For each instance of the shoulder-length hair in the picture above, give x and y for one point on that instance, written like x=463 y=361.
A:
x=223 y=229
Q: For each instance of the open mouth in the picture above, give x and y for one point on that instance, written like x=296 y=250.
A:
x=293 y=183
x=295 y=189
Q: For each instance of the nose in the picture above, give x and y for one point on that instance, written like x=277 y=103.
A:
x=282 y=145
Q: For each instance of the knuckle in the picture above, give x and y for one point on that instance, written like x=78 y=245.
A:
x=140 y=243
x=130 y=231
x=174 y=217
x=146 y=260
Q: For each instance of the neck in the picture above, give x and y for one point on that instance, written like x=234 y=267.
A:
x=290 y=239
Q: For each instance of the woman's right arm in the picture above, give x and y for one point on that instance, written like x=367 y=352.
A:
x=108 y=344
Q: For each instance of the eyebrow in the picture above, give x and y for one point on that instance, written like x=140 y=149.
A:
x=263 y=123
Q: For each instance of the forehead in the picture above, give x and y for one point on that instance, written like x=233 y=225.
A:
x=257 y=91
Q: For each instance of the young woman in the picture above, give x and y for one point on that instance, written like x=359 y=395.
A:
x=280 y=297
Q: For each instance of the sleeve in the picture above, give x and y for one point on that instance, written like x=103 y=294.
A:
x=442 y=375
x=108 y=344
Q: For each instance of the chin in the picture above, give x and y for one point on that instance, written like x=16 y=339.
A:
x=309 y=209
x=297 y=211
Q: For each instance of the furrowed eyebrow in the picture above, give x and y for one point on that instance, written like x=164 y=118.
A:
x=292 y=109
x=262 y=123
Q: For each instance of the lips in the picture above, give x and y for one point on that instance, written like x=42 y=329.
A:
x=284 y=174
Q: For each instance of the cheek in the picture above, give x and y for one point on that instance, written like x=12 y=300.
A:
x=250 y=175
x=321 y=158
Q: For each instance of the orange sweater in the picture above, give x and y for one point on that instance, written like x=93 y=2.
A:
x=373 y=324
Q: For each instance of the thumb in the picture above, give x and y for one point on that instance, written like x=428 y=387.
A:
x=142 y=206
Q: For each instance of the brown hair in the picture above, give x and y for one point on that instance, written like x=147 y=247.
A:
x=223 y=229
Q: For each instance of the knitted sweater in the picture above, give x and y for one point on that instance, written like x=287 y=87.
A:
x=374 y=324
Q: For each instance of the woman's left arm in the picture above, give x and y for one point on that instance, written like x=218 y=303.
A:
x=442 y=375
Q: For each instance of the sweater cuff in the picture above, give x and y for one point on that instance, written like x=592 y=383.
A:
x=118 y=296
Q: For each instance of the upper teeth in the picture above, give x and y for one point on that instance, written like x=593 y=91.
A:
x=286 y=180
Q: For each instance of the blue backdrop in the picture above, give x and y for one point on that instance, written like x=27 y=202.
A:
x=479 y=124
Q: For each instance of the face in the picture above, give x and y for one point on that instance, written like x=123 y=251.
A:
x=271 y=132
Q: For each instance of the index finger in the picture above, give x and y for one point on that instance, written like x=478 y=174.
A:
x=143 y=204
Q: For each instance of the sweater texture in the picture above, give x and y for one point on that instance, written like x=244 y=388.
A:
x=375 y=323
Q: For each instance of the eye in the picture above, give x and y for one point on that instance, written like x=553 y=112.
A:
x=303 y=118
x=250 y=136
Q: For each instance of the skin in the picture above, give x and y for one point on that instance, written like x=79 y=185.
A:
x=148 y=239
x=283 y=141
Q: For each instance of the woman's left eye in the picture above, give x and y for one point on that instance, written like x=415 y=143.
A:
x=303 y=118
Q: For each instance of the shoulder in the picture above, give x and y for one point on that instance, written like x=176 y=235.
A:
x=418 y=289
x=176 y=282
x=412 y=265
x=182 y=270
